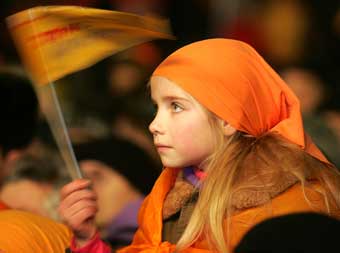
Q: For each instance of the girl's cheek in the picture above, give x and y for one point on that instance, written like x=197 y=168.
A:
x=184 y=130
x=186 y=134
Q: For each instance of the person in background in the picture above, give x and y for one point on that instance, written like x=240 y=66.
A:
x=333 y=120
x=22 y=231
x=19 y=116
x=311 y=92
x=122 y=175
x=33 y=184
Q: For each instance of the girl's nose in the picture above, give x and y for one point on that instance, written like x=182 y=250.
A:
x=154 y=126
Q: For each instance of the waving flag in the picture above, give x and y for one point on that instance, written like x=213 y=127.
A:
x=54 y=41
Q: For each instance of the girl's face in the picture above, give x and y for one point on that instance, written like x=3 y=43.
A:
x=181 y=130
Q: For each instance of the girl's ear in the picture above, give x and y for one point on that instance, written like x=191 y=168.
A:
x=228 y=130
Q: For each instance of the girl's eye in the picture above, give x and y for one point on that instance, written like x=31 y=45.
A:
x=176 y=107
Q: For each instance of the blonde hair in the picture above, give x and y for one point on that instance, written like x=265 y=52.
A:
x=266 y=158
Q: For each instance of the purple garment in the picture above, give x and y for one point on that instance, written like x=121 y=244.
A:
x=190 y=176
x=123 y=227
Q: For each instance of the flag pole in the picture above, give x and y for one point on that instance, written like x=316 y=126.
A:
x=54 y=116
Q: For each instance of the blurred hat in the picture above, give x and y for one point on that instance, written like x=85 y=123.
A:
x=124 y=157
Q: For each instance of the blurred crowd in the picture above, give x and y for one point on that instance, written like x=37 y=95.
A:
x=107 y=107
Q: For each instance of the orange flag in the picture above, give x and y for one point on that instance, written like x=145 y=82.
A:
x=54 y=41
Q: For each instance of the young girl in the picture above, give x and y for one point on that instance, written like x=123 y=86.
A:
x=230 y=136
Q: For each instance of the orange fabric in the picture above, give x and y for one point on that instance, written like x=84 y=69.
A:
x=148 y=238
x=26 y=232
x=233 y=81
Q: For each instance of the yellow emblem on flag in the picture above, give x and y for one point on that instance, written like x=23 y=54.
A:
x=54 y=41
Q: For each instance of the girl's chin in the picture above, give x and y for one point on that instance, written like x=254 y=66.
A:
x=175 y=165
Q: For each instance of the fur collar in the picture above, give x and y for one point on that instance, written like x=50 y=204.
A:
x=177 y=196
x=182 y=191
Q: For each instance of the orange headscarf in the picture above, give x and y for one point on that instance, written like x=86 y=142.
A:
x=233 y=81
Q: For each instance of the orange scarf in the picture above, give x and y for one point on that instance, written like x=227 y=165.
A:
x=148 y=238
x=230 y=79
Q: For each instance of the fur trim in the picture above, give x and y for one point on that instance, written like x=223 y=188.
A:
x=177 y=197
x=246 y=198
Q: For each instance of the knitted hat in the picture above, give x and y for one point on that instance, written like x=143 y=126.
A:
x=124 y=157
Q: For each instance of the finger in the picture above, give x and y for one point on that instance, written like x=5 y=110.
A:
x=79 y=218
x=81 y=205
x=75 y=200
x=70 y=215
x=77 y=196
x=75 y=185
